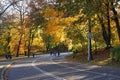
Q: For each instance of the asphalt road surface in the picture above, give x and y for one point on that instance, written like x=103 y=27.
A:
x=48 y=67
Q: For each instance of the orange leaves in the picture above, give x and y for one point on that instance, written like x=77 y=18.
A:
x=52 y=25
x=49 y=13
x=68 y=21
x=56 y=23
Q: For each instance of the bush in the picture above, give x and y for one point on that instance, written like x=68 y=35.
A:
x=115 y=53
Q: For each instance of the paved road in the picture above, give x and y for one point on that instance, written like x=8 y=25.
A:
x=3 y=66
x=48 y=67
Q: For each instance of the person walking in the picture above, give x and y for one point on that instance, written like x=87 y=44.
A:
x=33 y=54
x=51 y=52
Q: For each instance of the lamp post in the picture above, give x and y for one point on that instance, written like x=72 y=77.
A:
x=89 y=42
x=0 y=32
x=0 y=21
x=0 y=25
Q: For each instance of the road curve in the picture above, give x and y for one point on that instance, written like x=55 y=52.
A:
x=48 y=67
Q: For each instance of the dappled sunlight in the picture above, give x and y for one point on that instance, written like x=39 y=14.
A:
x=63 y=71
x=104 y=61
x=94 y=66
x=4 y=64
x=1 y=66
x=75 y=77
x=44 y=68
x=44 y=63
x=28 y=64
x=21 y=65
x=32 y=77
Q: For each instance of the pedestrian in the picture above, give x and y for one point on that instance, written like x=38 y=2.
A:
x=58 y=53
x=25 y=53
x=6 y=56
x=51 y=52
x=10 y=56
x=33 y=54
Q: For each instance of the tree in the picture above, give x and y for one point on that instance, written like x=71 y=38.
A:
x=47 y=39
x=21 y=8
x=115 y=15
x=34 y=22
x=8 y=6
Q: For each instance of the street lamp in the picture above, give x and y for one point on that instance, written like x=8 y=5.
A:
x=89 y=42
x=0 y=21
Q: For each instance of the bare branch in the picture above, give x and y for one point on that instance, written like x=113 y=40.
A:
x=14 y=2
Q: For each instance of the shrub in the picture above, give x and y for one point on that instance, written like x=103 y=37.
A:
x=115 y=53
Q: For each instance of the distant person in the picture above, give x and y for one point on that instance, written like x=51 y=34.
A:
x=25 y=53
x=8 y=56
x=33 y=54
x=51 y=52
x=58 y=53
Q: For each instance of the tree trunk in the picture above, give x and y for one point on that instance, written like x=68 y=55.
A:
x=19 y=43
x=104 y=32
x=109 y=26
x=116 y=19
x=29 y=43
x=21 y=33
x=8 y=42
x=29 y=48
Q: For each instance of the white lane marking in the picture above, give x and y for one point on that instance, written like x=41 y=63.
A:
x=3 y=71
x=32 y=77
x=86 y=70
x=46 y=73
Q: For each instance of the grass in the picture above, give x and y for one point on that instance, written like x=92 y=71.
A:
x=100 y=57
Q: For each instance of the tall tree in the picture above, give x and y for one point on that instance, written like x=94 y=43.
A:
x=113 y=8
x=35 y=21
x=20 y=7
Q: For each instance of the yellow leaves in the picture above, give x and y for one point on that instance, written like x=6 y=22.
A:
x=37 y=45
x=37 y=41
x=49 y=13
x=56 y=23
x=59 y=36
x=69 y=20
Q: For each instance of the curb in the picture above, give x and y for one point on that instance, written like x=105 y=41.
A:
x=4 y=71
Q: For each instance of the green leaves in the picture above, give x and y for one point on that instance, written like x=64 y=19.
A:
x=74 y=33
x=115 y=53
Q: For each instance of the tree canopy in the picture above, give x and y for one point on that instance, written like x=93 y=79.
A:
x=38 y=25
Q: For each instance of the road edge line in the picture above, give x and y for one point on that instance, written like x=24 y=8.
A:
x=3 y=73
